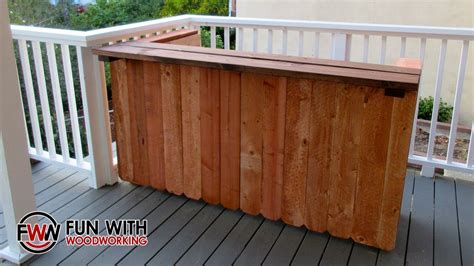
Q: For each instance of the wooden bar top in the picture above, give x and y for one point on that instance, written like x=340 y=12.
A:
x=382 y=76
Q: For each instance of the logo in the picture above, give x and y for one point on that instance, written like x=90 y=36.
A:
x=38 y=238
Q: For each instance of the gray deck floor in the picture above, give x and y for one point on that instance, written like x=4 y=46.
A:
x=436 y=227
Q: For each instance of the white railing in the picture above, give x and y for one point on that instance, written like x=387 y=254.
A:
x=342 y=41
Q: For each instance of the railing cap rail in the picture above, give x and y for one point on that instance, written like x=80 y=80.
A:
x=100 y=36
x=342 y=27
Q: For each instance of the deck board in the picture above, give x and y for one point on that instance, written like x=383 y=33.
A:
x=420 y=238
x=237 y=239
x=397 y=256
x=435 y=227
x=311 y=249
x=337 y=252
x=261 y=243
x=465 y=201
x=202 y=249
x=446 y=236
x=285 y=246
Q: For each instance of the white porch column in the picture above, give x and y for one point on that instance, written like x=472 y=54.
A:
x=16 y=183
x=94 y=94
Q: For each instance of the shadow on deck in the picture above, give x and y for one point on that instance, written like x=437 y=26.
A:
x=436 y=227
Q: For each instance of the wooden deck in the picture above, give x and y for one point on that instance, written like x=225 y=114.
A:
x=436 y=227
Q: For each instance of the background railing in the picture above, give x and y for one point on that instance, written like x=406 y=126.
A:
x=60 y=63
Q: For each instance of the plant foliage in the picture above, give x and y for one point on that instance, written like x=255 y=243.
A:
x=425 y=109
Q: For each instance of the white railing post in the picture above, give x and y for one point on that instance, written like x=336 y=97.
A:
x=96 y=113
x=16 y=183
x=340 y=46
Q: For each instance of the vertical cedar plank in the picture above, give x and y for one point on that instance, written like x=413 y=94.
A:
x=373 y=158
x=210 y=135
x=274 y=111
x=400 y=131
x=296 y=150
x=171 y=101
x=344 y=156
x=323 y=110
x=154 y=123
x=251 y=143
x=230 y=139
x=190 y=95
x=122 y=118
x=136 y=97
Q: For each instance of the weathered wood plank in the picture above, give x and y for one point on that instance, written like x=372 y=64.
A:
x=323 y=111
x=174 y=249
x=52 y=179
x=420 y=239
x=298 y=107
x=191 y=116
x=150 y=200
x=337 y=252
x=210 y=240
x=154 y=123
x=465 y=201
x=61 y=250
x=397 y=255
x=400 y=132
x=446 y=236
x=172 y=128
x=79 y=255
x=230 y=139
x=45 y=173
x=274 y=112
x=345 y=148
x=60 y=187
x=285 y=246
x=235 y=242
x=64 y=198
x=251 y=144
x=163 y=234
x=311 y=249
x=372 y=163
x=120 y=101
x=136 y=102
x=363 y=255
x=260 y=244
x=210 y=135
x=113 y=255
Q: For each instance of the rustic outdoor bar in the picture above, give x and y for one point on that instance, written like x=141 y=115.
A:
x=313 y=142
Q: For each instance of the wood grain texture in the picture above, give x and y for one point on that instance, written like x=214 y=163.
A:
x=372 y=162
x=251 y=143
x=154 y=124
x=323 y=111
x=400 y=132
x=230 y=139
x=122 y=118
x=172 y=128
x=136 y=99
x=298 y=107
x=210 y=135
x=191 y=116
x=321 y=152
x=344 y=155
x=274 y=113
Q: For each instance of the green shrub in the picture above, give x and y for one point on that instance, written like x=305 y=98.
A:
x=206 y=39
x=425 y=109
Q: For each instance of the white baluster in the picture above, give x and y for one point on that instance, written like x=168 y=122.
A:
x=44 y=99
x=71 y=97
x=457 y=101
x=58 y=103
x=30 y=96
